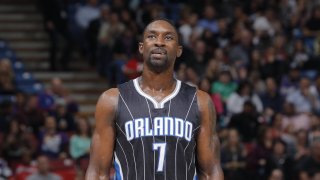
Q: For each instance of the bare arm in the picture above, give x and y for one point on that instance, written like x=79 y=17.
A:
x=103 y=138
x=208 y=146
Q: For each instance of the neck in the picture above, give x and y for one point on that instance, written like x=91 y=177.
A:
x=158 y=82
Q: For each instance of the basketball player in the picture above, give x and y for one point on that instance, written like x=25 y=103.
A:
x=155 y=126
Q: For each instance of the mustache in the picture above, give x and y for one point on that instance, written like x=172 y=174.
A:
x=159 y=50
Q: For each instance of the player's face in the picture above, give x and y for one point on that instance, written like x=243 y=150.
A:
x=160 y=46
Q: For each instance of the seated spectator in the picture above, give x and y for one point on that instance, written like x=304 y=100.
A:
x=304 y=99
x=311 y=28
x=17 y=140
x=209 y=20
x=7 y=85
x=43 y=165
x=65 y=119
x=240 y=53
x=80 y=141
x=294 y=121
x=311 y=164
x=290 y=82
x=299 y=54
x=35 y=116
x=272 y=65
x=204 y=85
x=246 y=122
x=58 y=91
x=244 y=93
x=280 y=159
x=301 y=146
x=224 y=86
x=85 y=14
x=233 y=156
x=272 y=98
x=261 y=152
x=53 y=143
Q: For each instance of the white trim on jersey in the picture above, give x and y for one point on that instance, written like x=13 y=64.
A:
x=156 y=104
x=195 y=174
x=125 y=156
x=119 y=164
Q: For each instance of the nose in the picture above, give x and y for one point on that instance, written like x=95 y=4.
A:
x=159 y=42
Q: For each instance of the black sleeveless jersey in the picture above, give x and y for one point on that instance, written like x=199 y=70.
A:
x=156 y=140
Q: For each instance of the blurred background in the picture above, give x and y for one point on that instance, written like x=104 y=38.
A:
x=258 y=60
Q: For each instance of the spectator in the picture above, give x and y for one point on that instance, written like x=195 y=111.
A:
x=240 y=53
x=110 y=30
x=65 y=119
x=272 y=66
x=311 y=164
x=35 y=116
x=44 y=172
x=261 y=152
x=18 y=140
x=197 y=61
x=246 y=122
x=299 y=55
x=233 y=156
x=59 y=93
x=294 y=121
x=80 y=141
x=7 y=85
x=290 y=81
x=56 y=25
x=223 y=37
x=280 y=159
x=304 y=99
x=311 y=28
x=244 y=93
x=209 y=20
x=224 y=86
x=204 y=85
x=85 y=14
x=272 y=99
x=301 y=146
x=53 y=143
x=188 y=28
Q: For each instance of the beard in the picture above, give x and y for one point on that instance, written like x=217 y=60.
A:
x=158 y=65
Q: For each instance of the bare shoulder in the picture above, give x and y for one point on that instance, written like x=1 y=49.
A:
x=203 y=100
x=107 y=104
x=109 y=97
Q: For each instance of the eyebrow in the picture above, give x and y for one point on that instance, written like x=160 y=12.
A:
x=166 y=32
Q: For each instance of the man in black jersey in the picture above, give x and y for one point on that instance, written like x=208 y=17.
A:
x=155 y=126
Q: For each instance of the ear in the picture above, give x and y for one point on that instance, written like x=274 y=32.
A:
x=140 y=47
x=179 y=51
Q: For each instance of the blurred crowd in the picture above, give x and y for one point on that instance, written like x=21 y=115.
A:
x=258 y=59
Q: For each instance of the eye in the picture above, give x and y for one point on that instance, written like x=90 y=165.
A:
x=169 y=37
x=151 y=36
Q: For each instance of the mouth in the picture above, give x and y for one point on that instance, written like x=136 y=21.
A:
x=159 y=51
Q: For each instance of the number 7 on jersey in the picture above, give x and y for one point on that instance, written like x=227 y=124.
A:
x=161 y=147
